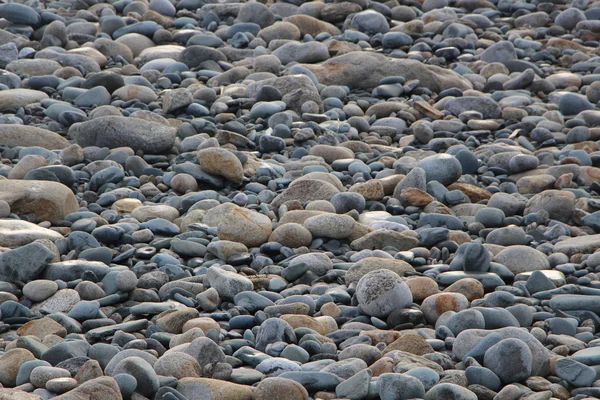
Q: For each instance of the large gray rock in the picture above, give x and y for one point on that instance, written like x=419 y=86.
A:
x=310 y=52
x=8 y=52
x=72 y=270
x=274 y=330
x=522 y=259
x=468 y=339
x=104 y=387
x=364 y=70
x=558 y=203
x=450 y=391
x=27 y=66
x=228 y=283
x=574 y=302
x=574 y=372
x=125 y=354
x=471 y=257
x=416 y=178
x=368 y=264
x=71 y=58
x=112 y=132
x=370 y=22
x=569 y=18
x=142 y=371
x=205 y=351
x=176 y=99
x=382 y=291
x=444 y=168
x=510 y=359
x=25 y=263
x=257 y=13
x=581 y=244
x=19 y=14
x=399 y=387
x=589 y=356
x=499 y=52
x=193 y=56
x=485 y=105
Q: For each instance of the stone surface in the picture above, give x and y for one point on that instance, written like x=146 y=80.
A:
x=48 y=201
x=363 y=70
x=380 y=291
x=113 y=132
x=29 y=136
x=15 y=233
x=298 y=200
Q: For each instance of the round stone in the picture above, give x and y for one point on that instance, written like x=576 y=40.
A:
x=381 y=291
x=40 y=290
x=444 y=168
x=399 y=387
x=510 y=359
x=126 y=281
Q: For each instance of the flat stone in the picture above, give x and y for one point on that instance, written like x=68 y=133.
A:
x=16 y=233
x=574 y=372
x=365 y=71
x=62 y=301
x=12 y=99
x=41 y=328
x=25 y=263
x=30 y=136
x=314 y=381
x=199 y=388
x=113 y=132
x=581 y=244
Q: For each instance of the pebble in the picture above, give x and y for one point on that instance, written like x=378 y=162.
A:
x=379 y=291
x=507 y=352
x=39 y=290
x=574 y=372
x=399 y=386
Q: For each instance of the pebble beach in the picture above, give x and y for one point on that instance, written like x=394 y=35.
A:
x=300 y=200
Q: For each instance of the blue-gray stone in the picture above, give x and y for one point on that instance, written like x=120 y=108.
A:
x=26 y=368
x=355 y=387
x=64 y=350
x=575 y=372
x=485 y=105
x=274 y=330
x=510 y=359
x=483 y=376
x=85 y=310
x=314 y=381
x=399 y=387
x=471 y=257
x=427 y=376
x=146 y=28
x=127 y=384
x=393 y=40
x=25 y=263
x=573 y=104
x=19 y=14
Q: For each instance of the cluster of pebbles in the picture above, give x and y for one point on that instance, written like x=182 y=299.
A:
x=300 y=200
